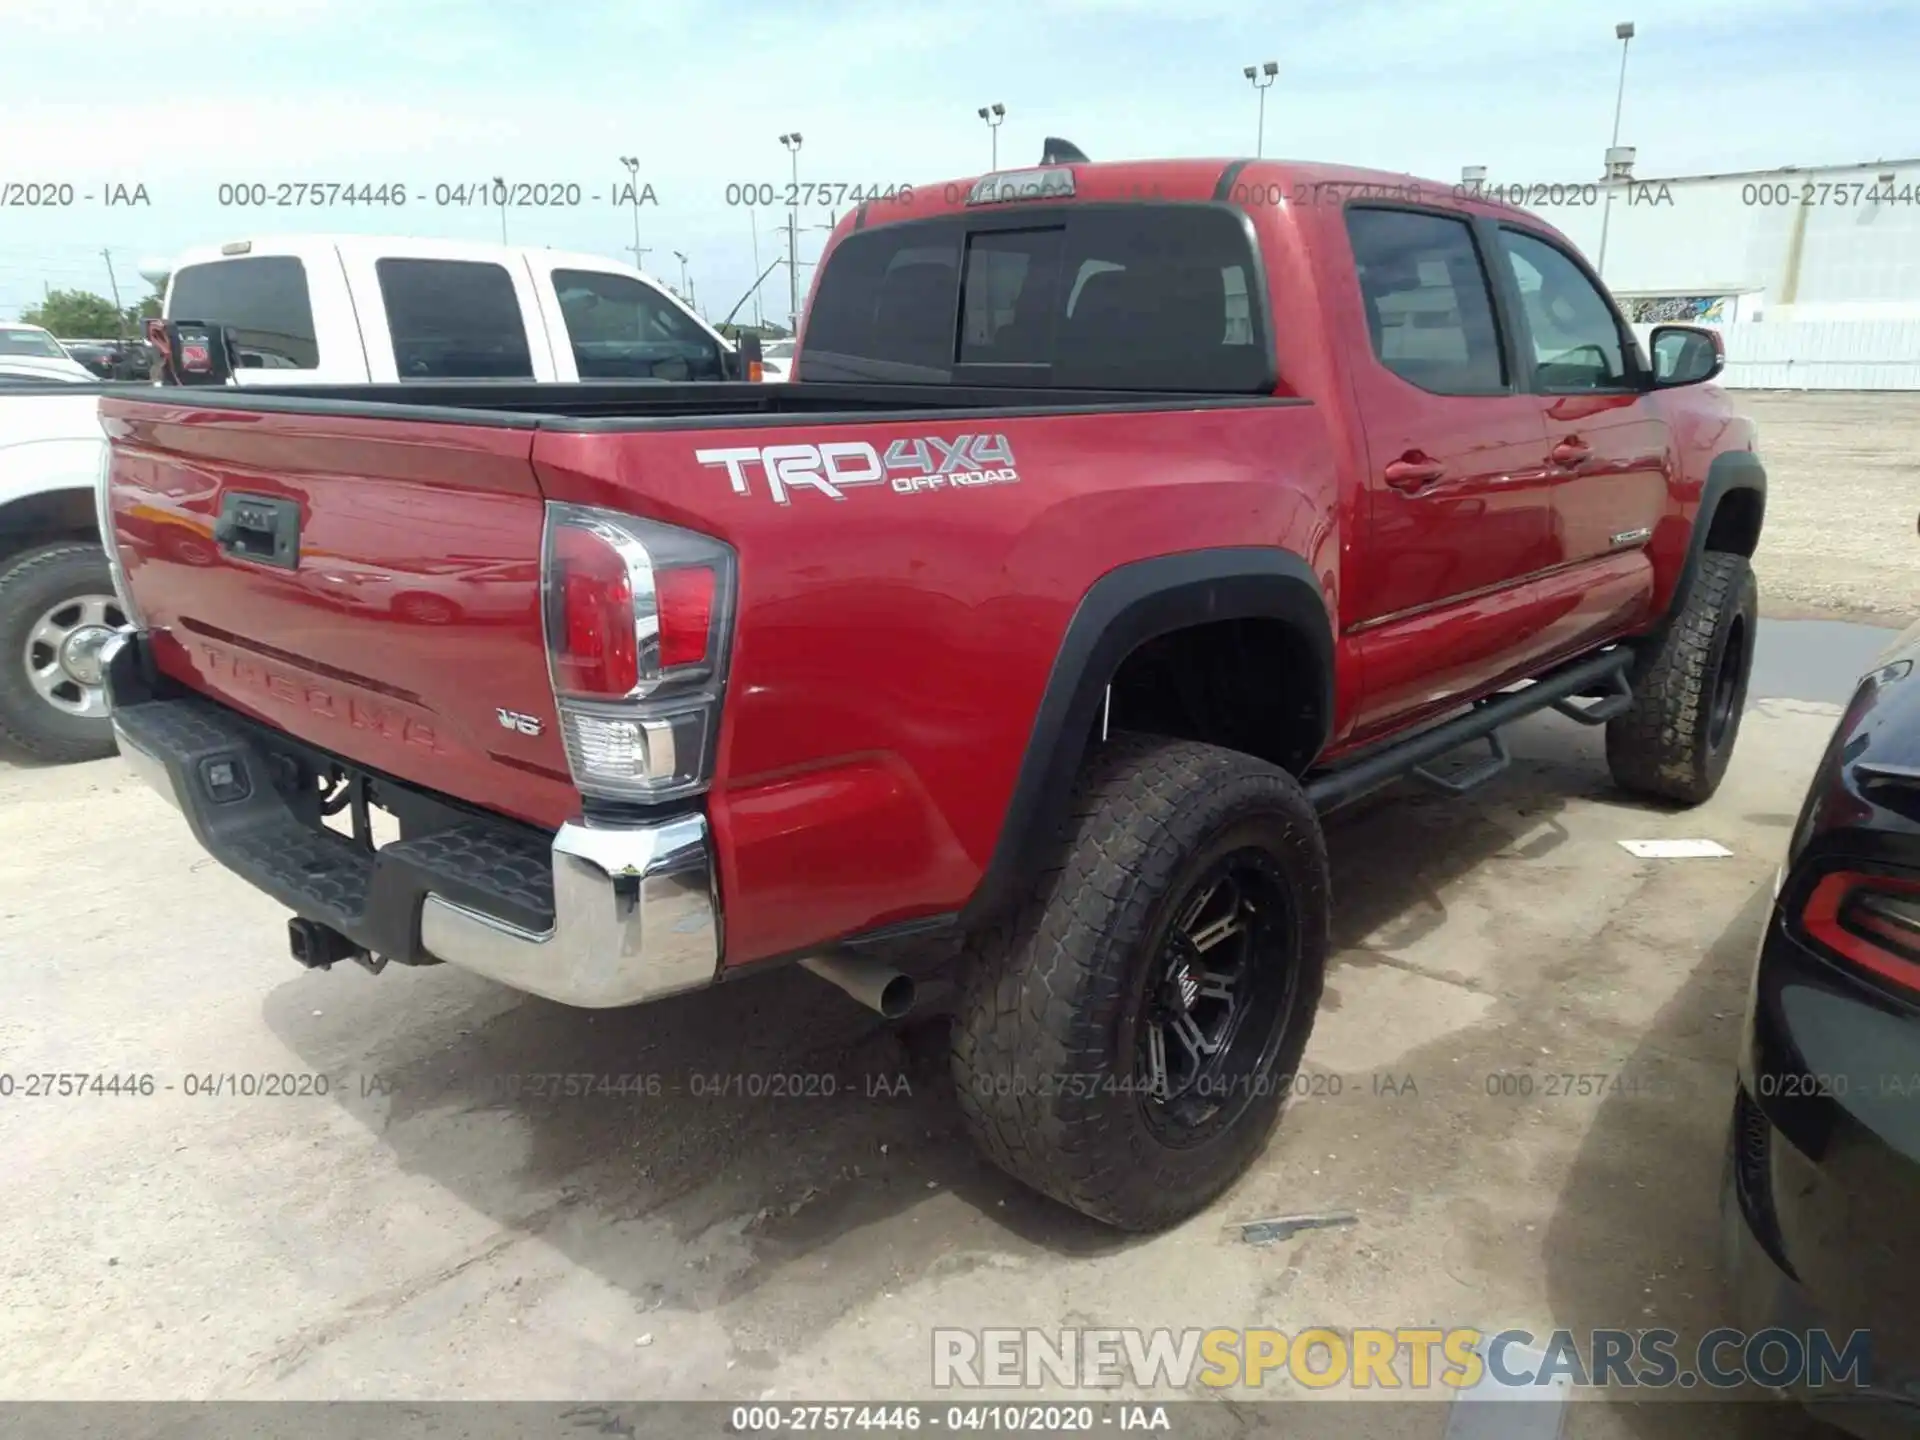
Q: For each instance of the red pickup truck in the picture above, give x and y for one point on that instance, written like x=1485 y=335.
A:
x=1123 y=519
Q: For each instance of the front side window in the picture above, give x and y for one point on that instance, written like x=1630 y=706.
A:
x=454 y=320
x=1576 y=339
x=621 y=328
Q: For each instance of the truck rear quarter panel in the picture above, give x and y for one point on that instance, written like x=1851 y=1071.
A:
x=892 y=647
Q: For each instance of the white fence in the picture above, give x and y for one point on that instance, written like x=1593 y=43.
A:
x=1820 y=355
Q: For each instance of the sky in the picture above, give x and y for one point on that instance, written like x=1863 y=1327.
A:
x=183 y=96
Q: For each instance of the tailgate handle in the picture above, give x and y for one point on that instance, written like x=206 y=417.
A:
x=261 y=528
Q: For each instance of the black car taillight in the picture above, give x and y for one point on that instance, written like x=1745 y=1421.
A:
x=638 y=619
x=1870 y=921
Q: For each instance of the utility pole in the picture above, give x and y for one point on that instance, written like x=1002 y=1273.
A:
x=759 y=319
x=500 y=189
x=1270 y=71
x=792 y=143
x=640 y=253
x=119 y=315
x=632 y=162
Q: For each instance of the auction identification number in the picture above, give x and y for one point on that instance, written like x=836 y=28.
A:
x=1015 y=1419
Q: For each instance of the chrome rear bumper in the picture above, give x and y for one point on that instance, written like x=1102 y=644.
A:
x=605 y=916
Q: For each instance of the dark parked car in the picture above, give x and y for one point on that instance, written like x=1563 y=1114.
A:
x=113 y=359
x=1823 y=1183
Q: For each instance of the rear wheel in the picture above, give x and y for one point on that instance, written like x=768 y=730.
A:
x=57 y=608
x=1690 y=690
x=1125 y=1042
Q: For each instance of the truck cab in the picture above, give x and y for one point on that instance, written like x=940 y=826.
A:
x=359 y=309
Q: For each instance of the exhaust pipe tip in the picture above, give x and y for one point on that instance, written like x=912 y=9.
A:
x=881 y=988
x=897 y=996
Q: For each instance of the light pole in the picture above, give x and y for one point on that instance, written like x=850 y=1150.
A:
x=1623 y=32
x=683 y=275
x=632 y=162
x=1262 y=78
x=500 y=189
x=792 y=143
x=995 y=116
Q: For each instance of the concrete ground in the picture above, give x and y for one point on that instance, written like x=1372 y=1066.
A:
x=428 y=1229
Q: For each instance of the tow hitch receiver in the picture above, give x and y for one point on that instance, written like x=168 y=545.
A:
x=318 y=946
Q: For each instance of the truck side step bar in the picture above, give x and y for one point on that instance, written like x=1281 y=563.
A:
x=1333 y=787
x=1471 y=779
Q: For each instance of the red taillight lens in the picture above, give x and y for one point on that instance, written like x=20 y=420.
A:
x=1873 y=921
x=638 y=615
x=685 y=599
x=595 y=648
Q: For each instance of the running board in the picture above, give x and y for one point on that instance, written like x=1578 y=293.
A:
x=1333 y=787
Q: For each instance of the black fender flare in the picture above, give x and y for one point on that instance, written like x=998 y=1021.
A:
x=1124 y=609
x=1731 y=470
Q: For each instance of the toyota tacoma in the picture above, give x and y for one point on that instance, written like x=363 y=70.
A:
x=1121 y=520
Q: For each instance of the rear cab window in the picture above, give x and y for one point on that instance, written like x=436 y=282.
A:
x=1139 y=296
x=622 y=328
x=454 y=320
x=1428 y=300
x=263 y=299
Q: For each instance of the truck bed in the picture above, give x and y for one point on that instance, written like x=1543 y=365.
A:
x=661 y=405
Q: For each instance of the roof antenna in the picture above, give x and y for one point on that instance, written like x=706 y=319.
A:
x=1062 y=152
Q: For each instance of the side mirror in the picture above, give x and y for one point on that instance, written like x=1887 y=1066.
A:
x=1686 y=355
x=192 y=352
x=747 y=357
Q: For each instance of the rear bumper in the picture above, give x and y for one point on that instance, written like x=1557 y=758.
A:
x=591 y=916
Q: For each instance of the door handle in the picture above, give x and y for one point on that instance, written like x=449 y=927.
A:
x=1408 y=473
x=1571 y=452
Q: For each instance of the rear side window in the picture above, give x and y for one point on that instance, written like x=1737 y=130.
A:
x=454 y=319
x=1124 y=297
x=621 y=328
x=1429 y=307
x=262 y=298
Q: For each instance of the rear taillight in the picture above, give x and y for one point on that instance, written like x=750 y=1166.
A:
x=638 y=618
x=1870 y=921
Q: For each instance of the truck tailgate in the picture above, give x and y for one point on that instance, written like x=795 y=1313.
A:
x=392 y=627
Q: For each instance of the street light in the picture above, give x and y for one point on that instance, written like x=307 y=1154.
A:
x=995 y=116
x=632 y=162
x=1623 y=32
x=500 y=189
x=1262 y=78
x=791 y=141
x=684 y=287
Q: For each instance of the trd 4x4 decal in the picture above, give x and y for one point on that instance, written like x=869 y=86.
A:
x=908 y=467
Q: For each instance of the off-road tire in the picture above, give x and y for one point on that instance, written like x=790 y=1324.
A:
x=30 y=584
x=1045 y=1035
x=1675 y=740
